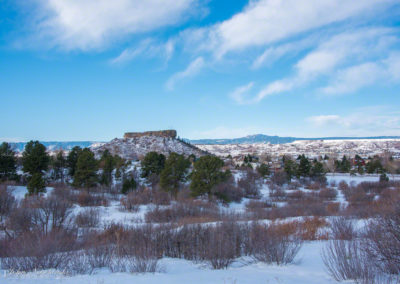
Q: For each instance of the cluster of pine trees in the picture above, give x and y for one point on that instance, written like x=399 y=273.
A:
x=79 y=167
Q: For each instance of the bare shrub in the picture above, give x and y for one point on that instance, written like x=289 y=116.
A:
x=36 y=251
x=297 y=194
x=257 y=204
x=183 y=210
x=228 y=192
x=143 y=265
x=271 y=244
x=250 y=183
x=342 y=229
x=383 y=242
x=278 y=194
x=7 y=201
x=309 y=228
x=160 y=197
x=88 y=218
x=223 y=241
x=279 y=178
x=332 y=208
x=345 y=260
x=343 y=186
x=86 y=198
x=129 y=202
x=99 y=255
x=327 y=193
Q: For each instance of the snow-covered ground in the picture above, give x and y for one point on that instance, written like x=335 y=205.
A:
x=308 y=269
x=19 y=192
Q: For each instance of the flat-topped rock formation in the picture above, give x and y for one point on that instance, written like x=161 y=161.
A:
x=135 y=145
x=162 y=133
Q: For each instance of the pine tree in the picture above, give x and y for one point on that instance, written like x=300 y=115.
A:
x=290 y=168
x=128 y=185
x=304 y=166
x=206 y=174
x=7 y=162
x=174 y=172
x=59 y=164
x=153 y=163
x=35 y=159
x=36 y=184
x=263 y=170
x=108 y=164
x=72 y=159
x=86 y=168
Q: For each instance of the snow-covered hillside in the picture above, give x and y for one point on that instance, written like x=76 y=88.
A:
x=133 y=148
x=310 y=148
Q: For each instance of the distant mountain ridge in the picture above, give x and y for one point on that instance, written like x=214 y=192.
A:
x=262 y=138
x=54 y=145
x=250 y=139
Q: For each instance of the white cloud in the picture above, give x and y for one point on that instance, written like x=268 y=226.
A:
x=194 y=68
x=369 y=121
x=322 y=120
x=147 y=48
x=239 y=93
x=268 y=21
x=353 y=78
x=274 y=88
x=274 y=53
x=93 y=24
x=346 y=58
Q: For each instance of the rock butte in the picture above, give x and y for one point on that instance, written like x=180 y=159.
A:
x=161 y=133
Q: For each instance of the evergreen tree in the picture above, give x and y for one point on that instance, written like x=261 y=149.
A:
x=72 y=159
x=152 y=163
x=263 y=170
x=317 y=169
x=304 y=166
x=174 y=172
x=86 y=168
x=375 y=166
x=108 y=164
x=59 y=164
x=36 y=184
x=34 y=158
x=290 y=168
x=128 y=184
x=206 y=174
x=7 y=162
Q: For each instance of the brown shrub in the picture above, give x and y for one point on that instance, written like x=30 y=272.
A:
x=327 y=193
x=273 y=244
x=91 y=199
x=88 y=218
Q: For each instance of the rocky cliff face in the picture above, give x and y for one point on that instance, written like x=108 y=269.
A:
x=162 y=133
x=136 y=148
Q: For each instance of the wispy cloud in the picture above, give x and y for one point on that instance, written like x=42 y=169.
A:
x=365 y=121
x=265 y=22
x=94 y=24
x=147 y=48
x=193 y=68
x=350 y=60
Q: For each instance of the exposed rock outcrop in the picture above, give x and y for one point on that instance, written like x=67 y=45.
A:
x=162 y=133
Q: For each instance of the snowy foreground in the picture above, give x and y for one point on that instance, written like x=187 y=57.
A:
x=308 y=269
x=308 y=266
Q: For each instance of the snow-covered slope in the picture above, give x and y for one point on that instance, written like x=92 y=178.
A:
x=366 y=147
x=133 y=148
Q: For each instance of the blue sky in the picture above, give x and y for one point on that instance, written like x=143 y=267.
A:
x=93 y=69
